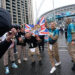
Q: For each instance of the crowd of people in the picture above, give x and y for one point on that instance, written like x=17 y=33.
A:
x=18 y=39
x=34 y=43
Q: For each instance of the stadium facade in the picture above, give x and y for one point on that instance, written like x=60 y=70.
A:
x=66 y=11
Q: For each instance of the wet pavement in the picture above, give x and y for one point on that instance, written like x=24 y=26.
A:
x=26 y=69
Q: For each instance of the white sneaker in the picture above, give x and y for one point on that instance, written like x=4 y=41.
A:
x=57 y=64
x=52 y=70
x=16 y=53
x=19 y=61
x=25 y=59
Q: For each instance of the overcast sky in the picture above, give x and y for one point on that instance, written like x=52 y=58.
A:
x=42 y=6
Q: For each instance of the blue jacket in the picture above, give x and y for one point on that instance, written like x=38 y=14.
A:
x=71 y=29
x=54 y=33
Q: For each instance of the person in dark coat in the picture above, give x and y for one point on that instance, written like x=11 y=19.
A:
x=5 y=26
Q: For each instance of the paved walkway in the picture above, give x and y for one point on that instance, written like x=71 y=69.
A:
x=26 y=69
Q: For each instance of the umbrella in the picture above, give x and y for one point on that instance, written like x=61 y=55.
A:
x=5 y=21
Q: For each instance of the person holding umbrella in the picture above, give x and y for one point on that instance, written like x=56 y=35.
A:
x=5 y=26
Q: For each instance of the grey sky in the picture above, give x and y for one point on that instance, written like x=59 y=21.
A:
x=47 y=5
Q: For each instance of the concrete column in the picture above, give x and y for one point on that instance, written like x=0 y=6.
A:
x=3 y=4
x=11 y=10
x=16 y=13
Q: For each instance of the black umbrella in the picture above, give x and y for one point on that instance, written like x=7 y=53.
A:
x=5 y=21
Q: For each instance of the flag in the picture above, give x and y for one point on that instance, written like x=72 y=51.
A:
x=28 y=27
x=41 y=22
x=43 y=30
